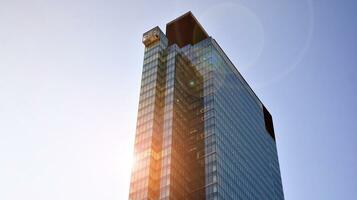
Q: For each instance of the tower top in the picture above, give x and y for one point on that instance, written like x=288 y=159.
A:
x=185 y=30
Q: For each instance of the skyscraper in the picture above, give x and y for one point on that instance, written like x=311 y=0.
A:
x=202 y=133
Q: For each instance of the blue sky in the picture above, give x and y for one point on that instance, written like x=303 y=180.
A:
x=70 y=75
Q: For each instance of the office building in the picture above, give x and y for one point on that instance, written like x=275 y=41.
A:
x=202 y=133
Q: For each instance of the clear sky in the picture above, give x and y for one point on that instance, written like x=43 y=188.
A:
x=69 y=86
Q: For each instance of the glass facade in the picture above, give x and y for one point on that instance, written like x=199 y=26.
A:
x=202 y=133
